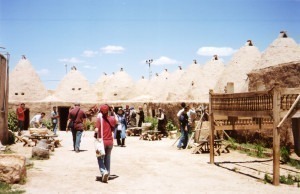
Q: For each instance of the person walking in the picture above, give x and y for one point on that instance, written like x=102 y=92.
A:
x=183 y=121
x=120 y=130
x=54 y=119
x=21 y=117
x=78 y=117
x=108 y=123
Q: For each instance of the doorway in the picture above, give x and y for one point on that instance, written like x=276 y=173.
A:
x=27 y=119
x=116 y=108
x=63 y=112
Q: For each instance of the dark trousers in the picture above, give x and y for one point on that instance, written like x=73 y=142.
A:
x=21 y=125
x=140 y=123
x=118 y=137
x=74 y=137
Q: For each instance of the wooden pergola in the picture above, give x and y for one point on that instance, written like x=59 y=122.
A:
x=268 y=107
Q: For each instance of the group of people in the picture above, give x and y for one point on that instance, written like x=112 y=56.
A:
x=37 y=120
x=109 y=126
x=186 y=117
x=131 y=113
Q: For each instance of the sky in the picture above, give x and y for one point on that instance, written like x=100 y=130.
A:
x=103 y=36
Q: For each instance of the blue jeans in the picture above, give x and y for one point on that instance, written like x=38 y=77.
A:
x=183 y=138
x=104 y=161
x=76 y=138
x=54 y=125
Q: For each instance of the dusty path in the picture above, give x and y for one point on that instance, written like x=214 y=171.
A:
x=141 y=167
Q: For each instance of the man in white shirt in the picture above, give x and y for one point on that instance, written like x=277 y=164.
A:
x=37 y=120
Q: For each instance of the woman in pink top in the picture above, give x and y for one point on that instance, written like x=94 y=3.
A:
x=108 y=127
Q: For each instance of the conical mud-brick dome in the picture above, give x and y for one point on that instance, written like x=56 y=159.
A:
x=158 y=86
x=242 y=62
x=212 y=72
x=25 y=84
x=194 y=81
x=140 y=91
x=282 y=50
x=74 y=87
x=100 y=85
x=116 y=87
x=173 y=88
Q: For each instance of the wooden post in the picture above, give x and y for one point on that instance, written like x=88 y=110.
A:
x=3 y=100
x=276 y=134
x=211 y=131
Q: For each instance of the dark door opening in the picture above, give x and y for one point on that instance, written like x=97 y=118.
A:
x=27 y=119
x=116 y=108
x=63 y=112
x=153 y=113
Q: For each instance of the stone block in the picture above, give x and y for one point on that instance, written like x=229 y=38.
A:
x=12 y=168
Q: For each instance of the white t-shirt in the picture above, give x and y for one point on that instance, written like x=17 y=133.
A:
x=36 y=119
x=53 y=114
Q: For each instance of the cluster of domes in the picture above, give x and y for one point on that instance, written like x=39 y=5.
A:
x=190 y=84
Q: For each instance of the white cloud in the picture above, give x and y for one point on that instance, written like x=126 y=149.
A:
x=111 y=49
x=72 y=60
x=89 y=53
x=165 y=61
x=42 y=72
x=89 y=67
x=220 y=51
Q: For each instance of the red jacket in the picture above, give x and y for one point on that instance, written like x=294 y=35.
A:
x=107 y=129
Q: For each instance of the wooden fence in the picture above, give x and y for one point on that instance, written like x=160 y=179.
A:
x=265 y=109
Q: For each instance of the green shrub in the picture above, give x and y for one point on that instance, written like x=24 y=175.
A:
x=12 y=121
x=88 y=125
x=6 y=188
x=268 y=178
x=285 y=154
x=260 y=151
x=170 y=126
x=153 y=122
x=48 y=124
x=289 y=180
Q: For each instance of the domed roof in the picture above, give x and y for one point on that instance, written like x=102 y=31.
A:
x=75 y=87
x=282 y=50
x=25 y=84
x=118 y=86
x=241 y=63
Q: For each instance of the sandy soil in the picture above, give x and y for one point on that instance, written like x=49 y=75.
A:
x=141 y=167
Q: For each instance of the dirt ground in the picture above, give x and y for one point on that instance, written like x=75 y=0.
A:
x=144 y=167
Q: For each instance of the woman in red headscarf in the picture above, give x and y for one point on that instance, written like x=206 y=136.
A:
x=108 y=123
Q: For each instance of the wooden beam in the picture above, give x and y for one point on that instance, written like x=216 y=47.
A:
x=243 y=127
x=240 y=95
x=243 y=113
x=290 y=90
